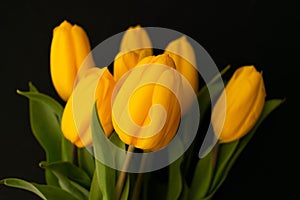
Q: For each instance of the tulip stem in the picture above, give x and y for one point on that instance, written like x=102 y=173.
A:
x=123 y=174
x=74 y=155
x=138 y=184
x=137 y=187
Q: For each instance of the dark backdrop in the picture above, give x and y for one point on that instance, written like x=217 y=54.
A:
x=263 y=33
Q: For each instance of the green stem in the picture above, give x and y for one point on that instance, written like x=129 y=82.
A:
x=74 y=155
x=138 y=184
x=123 y=174
x=137 y=187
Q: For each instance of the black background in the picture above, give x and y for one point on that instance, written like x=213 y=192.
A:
x=262 y=33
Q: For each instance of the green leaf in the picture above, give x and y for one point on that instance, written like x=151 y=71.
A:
x=185 y=191
x=235 y=148
x=69 y=170
x=46 y=192
x=175 y=180
x=95 y=192
x=106 y=175
x=114 y=138
x=202 y=177
x=43 y=98
x=225 y=153
x=45 y=115
x=216 y=86
x=66 y=150
x=72 y=187
x=86 y=161
x=106 y=180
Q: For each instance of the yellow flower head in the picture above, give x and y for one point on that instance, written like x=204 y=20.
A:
x=69 y=48
x=135 y=45
x=245 y=97
x=76 y=119
x=183 y=55
x=146 y=113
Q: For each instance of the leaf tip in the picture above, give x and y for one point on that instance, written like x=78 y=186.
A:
x=19 y=92
x=43 y=164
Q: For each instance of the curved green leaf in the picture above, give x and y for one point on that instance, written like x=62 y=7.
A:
x=175 y=180
x=43 y=98
x=70 y=171
x=202 y=177
x=46 y=192
x=86 y=161
x=235 y=149
x=66 y=150
x=72 y=187
x=95 y=192
x=106 y=175
x=45 y=115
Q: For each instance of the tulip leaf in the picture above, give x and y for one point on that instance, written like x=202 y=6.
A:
x=235 y=148
x=219 y=75
x=70 y=186
x=106 y=175
x=66 y=150
x=46 y=192
x=175 y=180
x=202 y=177
x=225 y=153
x=185 y=191
x=45 y=115
x=86 y=161
x=211 y=90
x=95 y=192
x=204 y=100
x=69 y=170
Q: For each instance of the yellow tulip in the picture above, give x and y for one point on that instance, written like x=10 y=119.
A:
x=146 y=114
x=135 y=45
x=183 y=55
x=77 y=114
x=244 y=96
x=69 y=48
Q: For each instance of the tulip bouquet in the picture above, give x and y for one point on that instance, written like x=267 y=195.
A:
x=143 y=127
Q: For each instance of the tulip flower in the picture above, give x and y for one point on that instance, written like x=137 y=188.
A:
x=245 y=97
x=77 y=114
x=135 y=45
x=145 y=111
x=183 y=55
x=69 y=48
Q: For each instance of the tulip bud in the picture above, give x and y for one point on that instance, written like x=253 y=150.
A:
x=76 y=119
x=181 y=51
x=245 y=97
x=135 y=38
x=69 y=48
x=135 y=45
x=146 y=112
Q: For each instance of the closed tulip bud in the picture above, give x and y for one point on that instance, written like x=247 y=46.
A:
x=135 y=45
x=181 y=51
x=146 y=112
x=76 y=119
x=135 y=38
x=245 y=97
x=69 y=48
